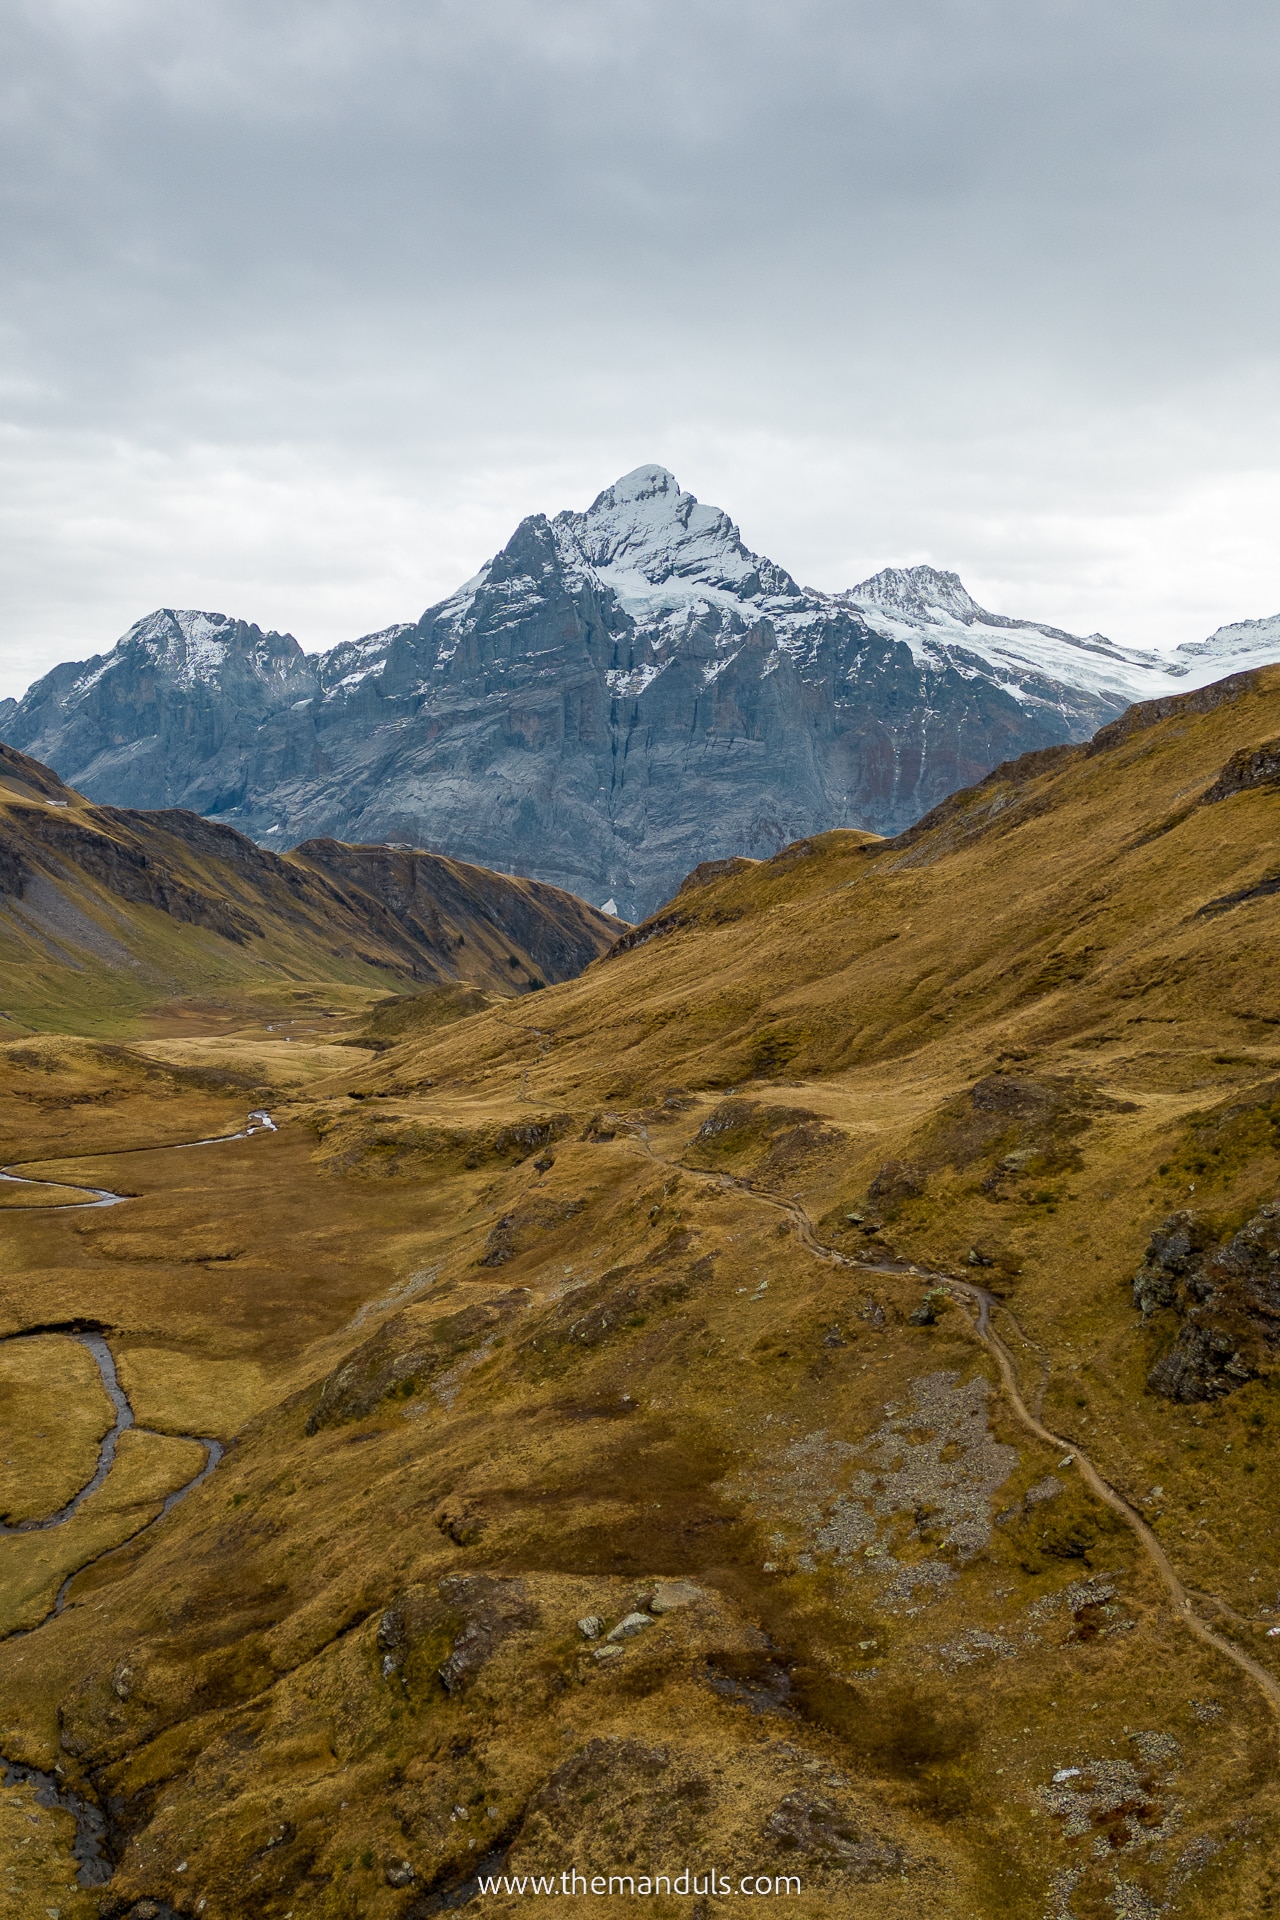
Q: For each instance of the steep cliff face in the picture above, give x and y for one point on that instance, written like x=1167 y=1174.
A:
x=616 y=697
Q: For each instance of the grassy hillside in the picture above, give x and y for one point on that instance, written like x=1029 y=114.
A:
x=108 y=914
x=865 y=1275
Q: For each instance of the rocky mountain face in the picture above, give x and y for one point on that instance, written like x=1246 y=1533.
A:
x=616 y=697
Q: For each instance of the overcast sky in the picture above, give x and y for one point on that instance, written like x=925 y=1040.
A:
x=306 y=303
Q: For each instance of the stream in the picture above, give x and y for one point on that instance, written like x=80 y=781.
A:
x=91 y=1337
x=259 y=1122
x=88 y=1848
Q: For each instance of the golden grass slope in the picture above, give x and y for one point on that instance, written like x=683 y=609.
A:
x=661 y=1276
x=1067 y=896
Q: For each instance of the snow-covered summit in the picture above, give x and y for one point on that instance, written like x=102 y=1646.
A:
x=616 y=695
x=193 y=648
x=680 y=572
x=191 y=644
x=923 y=592
x=185 y=637
x=657 y=546
x=936 y=616
x=1231 y=649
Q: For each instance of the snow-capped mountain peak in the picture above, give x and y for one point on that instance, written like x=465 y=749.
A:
x=188 y=644
x=645 y=533
x=1231 y=649
x=615 y=696
x=191 y=643
x=191 y=647
x=919 y=592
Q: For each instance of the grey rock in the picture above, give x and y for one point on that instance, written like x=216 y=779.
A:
x=618 y=696
x=591 y=1626
x=820 y=1830
x=398 y=1873
x=896 y=1181
x=1225 y=1296
x=492 y=1611
x=668 y=1595
x=630 y=1625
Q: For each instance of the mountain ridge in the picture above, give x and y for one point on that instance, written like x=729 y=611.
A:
x=131 y=907
x=615 y=697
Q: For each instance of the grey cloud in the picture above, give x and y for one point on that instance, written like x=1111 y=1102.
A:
x=406 y=234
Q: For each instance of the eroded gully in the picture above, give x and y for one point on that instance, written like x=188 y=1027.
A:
x=979 y=1324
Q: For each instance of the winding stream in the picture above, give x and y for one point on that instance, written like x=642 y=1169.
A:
x=101 y=1352
x=92 y=1339
x=260 y=1121
x=88 y=1848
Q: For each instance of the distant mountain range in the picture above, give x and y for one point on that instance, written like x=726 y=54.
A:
x=617 y=696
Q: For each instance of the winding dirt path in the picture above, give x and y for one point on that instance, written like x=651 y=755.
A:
x=985 y=1305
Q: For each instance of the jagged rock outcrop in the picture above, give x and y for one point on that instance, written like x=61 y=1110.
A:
x=1226 y=1296
x=1251 y=767
x=616 y=697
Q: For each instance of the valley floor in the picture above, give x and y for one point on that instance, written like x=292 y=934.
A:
x=797 y=1403
x=941 y=1642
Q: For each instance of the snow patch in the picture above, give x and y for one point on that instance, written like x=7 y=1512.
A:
x=630 y=683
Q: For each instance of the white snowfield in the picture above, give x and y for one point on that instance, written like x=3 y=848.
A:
x=932 y=613
x=680 y=570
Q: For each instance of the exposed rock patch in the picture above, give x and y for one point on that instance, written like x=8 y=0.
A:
x=524 y=1226
x=622 y=1299
x=896 y=1181
x=453 y=1628
x=1023 y=1126
x=1261 y=889
x=404 y=1356
x=768 y=1143
x=816 y=1829
x=366 y=1146
x=924 y=1479
x=1122 y=1805
x=1226 y=1296
x=1246 y=770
